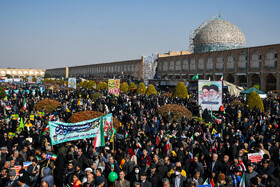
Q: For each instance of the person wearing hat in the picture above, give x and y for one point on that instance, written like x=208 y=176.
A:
x=250 y=173
x=47 y=173
x=87 y=172
x=205 y=93
x=213 y=93
x=13 y=177
x=144 y=182
x=152 y=175
x=265 y=170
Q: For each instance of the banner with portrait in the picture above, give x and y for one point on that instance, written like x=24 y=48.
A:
x=63 y=132
x=210 y=94
x=114 y=86
x=72 y=83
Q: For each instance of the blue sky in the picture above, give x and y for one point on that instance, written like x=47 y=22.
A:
x=59 y=33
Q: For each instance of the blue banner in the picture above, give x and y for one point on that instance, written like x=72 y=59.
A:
x=63 y=132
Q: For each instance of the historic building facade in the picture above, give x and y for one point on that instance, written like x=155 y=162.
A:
x=19 y=73
x=245 y=66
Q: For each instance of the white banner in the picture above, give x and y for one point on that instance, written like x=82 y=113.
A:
x=210 y=94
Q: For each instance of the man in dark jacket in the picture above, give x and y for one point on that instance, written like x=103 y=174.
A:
x=144 y=182
x=214 y=167
x=177 y=179
x=68 y=173
x=128 y=166
x=82 y=160
x=265 y=171
x=196 y=178
x=162 y=170
x=152 y=175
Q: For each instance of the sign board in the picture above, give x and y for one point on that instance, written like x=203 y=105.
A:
x=255 y=157
x=210 y=94
x=72 y=83
x=114 y=86
x=39 y=80
x=63 y=132
x=29 y=79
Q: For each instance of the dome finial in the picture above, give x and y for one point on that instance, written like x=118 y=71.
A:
x=219 y=13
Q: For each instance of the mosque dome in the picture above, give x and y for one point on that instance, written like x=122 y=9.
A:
x=217 y=35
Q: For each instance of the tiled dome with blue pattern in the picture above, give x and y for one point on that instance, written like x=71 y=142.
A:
x=218 y=35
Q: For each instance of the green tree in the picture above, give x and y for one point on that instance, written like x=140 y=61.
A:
x=85 y=84
x=2 y=93
x=91 y=84
x=254 y=100
x=141 y=88
x=96 y=95
x=34 y=79
x=8 y=76
x=180 y=91
x=132 y=87
x=24 y=79
x=47 y=75
x=151 y=90
x=124 y=87
x=61 y=81
x=102 y=86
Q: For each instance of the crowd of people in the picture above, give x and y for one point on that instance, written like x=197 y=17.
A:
x=148 y=150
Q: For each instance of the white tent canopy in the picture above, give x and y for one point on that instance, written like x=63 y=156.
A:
x=233 y=90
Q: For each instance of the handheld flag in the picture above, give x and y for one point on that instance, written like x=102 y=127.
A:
x=195 y=77
x=139 y=145
x=126 y=135
x=21 y=125
x=45 y=131
x=212 y=115
x=166 y=149
x=222 y=78
x=24 y=104
x=99 y=139
x=242 y=183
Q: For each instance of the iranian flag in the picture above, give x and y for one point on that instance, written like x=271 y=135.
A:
x=24 y=104
x=242 y=183
x=209 y=182
x=99 y=139
x=166 y=149
x=222 y=78
x=126 y=135
x=46 y=130
x=139 y=145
